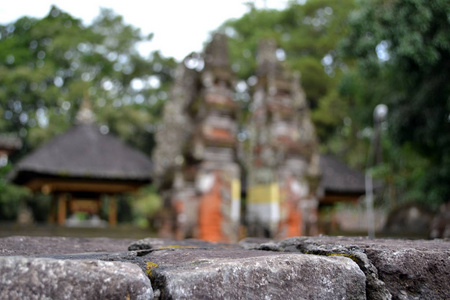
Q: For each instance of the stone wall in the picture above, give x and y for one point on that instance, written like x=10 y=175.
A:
x=295 y=268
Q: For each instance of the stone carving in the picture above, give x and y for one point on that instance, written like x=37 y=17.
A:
x=195 y=158
x=196 y=165
x=283 y=159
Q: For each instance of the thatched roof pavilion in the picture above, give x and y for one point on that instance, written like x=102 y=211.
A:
x=84 y=153
x=339 y=183
x=82 y=164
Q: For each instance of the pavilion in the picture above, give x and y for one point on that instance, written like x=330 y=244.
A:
x=339 y=183
x=81 y=166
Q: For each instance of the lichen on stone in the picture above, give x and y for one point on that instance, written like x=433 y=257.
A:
x=150 y=267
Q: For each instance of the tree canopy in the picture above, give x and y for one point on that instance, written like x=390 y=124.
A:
x=307 y=35
x=402 y=49
x=354 y=55
x=50 y=65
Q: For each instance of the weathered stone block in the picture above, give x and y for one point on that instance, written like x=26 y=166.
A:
x=155 y=243
x=413 y=273
x=41 y=278
x=296 y=268
x=401 y=269
x=243 y=274
x=28 y=245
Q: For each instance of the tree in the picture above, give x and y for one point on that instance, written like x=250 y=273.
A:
x=49 y=66
x=403 y=52
x=10 y=196
x=308 y=36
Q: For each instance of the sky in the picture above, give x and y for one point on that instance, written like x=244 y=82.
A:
x=179 y=26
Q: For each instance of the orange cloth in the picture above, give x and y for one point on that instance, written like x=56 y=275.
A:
x=210 y=215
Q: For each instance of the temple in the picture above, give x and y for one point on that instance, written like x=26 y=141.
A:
x=196 y=163
x=200 y=168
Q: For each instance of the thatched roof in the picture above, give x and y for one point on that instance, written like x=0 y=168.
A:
x=338 y=178
x=84 y=152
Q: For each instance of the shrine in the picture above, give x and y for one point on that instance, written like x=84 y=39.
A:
x=80 y=166
x=196 y=155
x=339 y=183
x=283 y=159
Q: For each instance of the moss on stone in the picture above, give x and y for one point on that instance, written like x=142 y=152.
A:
x=150 y=267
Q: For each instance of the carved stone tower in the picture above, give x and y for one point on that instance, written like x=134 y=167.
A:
x=283 y=164
x=195 y=158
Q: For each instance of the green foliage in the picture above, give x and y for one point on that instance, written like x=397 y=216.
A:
x=402 y=172
x=146 y=204
x=11 y=196
x=49 y=66
x=40 y=207
x=124 y=209
x=309 y=36
x=396 y=52
x=403 y=57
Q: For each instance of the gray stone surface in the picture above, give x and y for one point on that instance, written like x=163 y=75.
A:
x=254 y=243
x=155 y=243
x=413 y=274
x=405 y=269
x=26 y=245
x=189 y=272
x=296 y=268
x=41 y=278
x=244 y=274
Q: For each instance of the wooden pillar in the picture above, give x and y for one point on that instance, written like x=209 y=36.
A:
x=112 y=210
x=53 y=210
x=62 y=209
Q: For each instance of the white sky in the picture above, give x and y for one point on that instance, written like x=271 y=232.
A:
x=179 y=26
